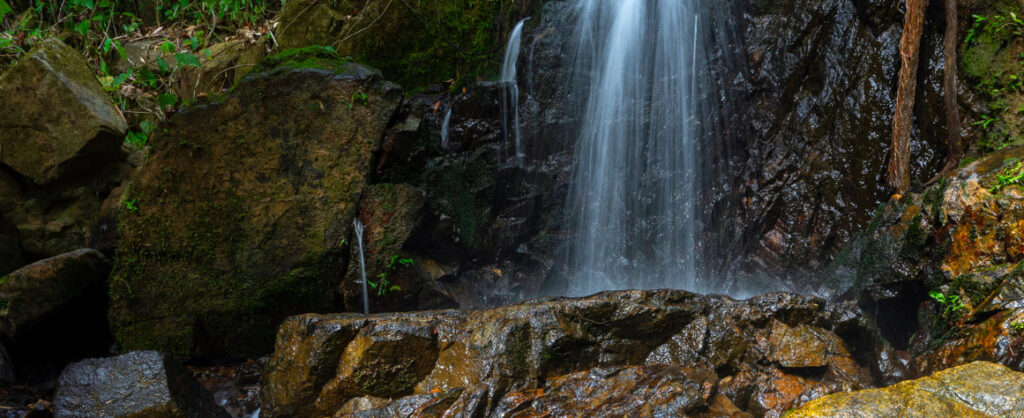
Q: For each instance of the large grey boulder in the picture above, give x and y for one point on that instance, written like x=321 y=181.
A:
x=56 y=117
x=137 y=384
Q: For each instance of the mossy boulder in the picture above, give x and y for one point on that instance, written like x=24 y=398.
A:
x=220 y=69
x=415 y=43
x=56 y=120
x=241 y=217
x=973 y=390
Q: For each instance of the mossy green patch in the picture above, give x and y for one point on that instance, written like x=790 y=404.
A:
x=992 y=57
x=413 y=43
x=243 y=212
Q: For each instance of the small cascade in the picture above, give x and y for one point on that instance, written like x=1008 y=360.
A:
x=444 y=129
x=510 y=101
x=358 y=225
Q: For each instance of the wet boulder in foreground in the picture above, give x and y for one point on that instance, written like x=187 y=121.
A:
x=243 y=214
x=137 y=384
x=974 y=390
x=764 y=356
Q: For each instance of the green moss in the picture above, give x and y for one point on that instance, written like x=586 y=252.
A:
x=316 y=56
x=932 y=200
x=975 y=289
x=449 y=40
x=992 y=59
x=913 y=240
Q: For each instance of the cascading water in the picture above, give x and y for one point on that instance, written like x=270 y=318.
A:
x=510 y=103
x=445 y=126
x=358 y=226
x=633 y=198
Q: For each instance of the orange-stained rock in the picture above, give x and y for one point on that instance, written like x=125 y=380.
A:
x=626 y=391
x=614 y=343
x=997 y=339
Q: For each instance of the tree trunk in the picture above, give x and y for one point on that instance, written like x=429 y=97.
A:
x=910 y=45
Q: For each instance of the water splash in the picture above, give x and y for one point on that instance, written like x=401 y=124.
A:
x=633 y=198
x=510 y=93
x=358 y=225
x=444 y=129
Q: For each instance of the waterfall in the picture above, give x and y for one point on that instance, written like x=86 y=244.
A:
x=511 y=89
x=358 y=225
x=632 y=202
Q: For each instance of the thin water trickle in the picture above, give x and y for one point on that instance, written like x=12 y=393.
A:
x=633 y=198
x=444 y=129
x=358 y=225
x=510 y=101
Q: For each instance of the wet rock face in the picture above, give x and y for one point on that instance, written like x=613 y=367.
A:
x=765 y=356
x=999 y=339
x=637 y=390
x=243 y=214
x=137 y=384
x=397 y=280
x=57 y=120
x=488 y=230
x=819 y=87
x=949 y=258
x=977 y=389
x=54 y=311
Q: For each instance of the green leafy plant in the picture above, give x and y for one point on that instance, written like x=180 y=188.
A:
x=951 y=303
x=1017 y=326
x=141 y=137
x=973 y=31
x=357 y=98
x=131 y=205
x=1013 y=174
x=383 y=285
x=985 y=121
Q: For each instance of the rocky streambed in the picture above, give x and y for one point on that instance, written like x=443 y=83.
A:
x=646 y=353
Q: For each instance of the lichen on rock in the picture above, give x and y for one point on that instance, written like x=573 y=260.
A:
x=241 y=215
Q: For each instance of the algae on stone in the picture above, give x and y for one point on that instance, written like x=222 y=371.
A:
x=243 y=212
x=56 y=118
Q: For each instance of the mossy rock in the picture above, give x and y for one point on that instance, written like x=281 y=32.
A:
x=991 y=59
x=241 y=216
x=56 y=121
x=413 y=42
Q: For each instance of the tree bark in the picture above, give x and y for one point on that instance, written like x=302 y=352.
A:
x=955 y=145
x=910 y=48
